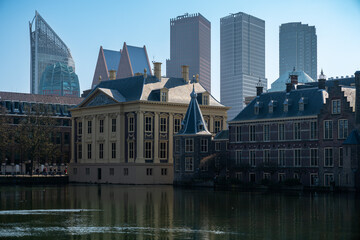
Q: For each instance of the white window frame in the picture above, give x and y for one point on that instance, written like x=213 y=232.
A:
x=314 y=157
x=297 y=130
x=252 y=133
x=131 y=124
x=281 y=131
x=203 y=145
x=328 y=160
x=148 y=150
x=189 y=145
x=343 y=128
x=163 y=124
x=328 y=129
x=238 y=157
x=313 y=130
x=189 y=164
x=297 y=157
x=148 y=120
x=163 y=150
x=252 y=158
x=131 y=152
x=281 y=157
x=336 y=106
x=113 y=150
x=266 y=132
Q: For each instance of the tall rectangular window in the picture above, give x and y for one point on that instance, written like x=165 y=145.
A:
x=89 y=151
x=252 y=133
x=101 y=150
x=281 y=158
x=297 y=131
x=189 y=164
x=313 y=130
x=148 y=150
x=80 y=128
x=89 y=126
x=131 y=126
x=148 y=124
x=101 y=125
x=238 y=133
x=237 y=157
x=163 y=150
x=80 y=151
x=328 y=159
x=177 y=145
x=217 y=146
x=205 y=100
x=266 y=132
x=113 y=125
x=163 y=124
x=336 y=106
x=313 y=157
x=217 y=126
x=328 y=129
x=328 y=178
x=131 y=149
x=177 y=164
x=204 y=145
x=164 y=96
x=297 y=157
x=281 y=131
x=341 y=157
x=189 y=145
x=252 y=158
x=343 y=129
x=177 y=125
x=149 y=171
x=113 y=150
x=267 y=156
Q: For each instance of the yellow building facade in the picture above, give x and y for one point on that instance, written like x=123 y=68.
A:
x=123 y=131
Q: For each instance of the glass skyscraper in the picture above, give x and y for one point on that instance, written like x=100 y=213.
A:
x=46 y=49
x=190 y=44
x=242 y=59
x=298 y=48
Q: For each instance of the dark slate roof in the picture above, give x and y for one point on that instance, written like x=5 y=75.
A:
x=223 y=135
x=193 y=122
x=37 y=98
x=138 y=59
x=112 y=59
x=314 y=99
x=353 y=138
x=331 y=82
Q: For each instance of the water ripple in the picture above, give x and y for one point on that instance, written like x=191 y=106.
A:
x=45 y=211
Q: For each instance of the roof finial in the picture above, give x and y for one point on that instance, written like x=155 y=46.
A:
x=193 y=93
x=99 y=78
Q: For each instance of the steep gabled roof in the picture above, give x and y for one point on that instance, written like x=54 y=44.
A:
x=112 y=59
x=138 y=59
x=193 y=122
x=313 y=99
x=280 y=83
x=223 y=135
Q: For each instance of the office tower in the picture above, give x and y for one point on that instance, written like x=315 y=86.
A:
x=47 y=49
x=190 y=44
x=242 y=59
x=298 y=48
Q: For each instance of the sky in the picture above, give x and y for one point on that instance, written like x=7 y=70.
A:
x=85 y=25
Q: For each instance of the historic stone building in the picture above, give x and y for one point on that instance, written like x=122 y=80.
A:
x=123 y=130
x=296 y=135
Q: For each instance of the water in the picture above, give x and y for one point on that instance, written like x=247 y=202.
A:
x=163 y=212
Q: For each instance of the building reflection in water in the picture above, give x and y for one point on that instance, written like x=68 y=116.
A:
x=164 y=212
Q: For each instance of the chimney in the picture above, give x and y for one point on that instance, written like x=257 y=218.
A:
x=357 y=97
x=145 y=75
x=197 y=78
x=259 y=88
x=288 y=86
x=322 y=80
x=157 y=70
x=185 y=73
x=112 y=74
x=294 y=77
x=138 y=74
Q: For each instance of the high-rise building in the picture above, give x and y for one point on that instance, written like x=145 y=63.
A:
x=298 y=48
x=242 y=59
x=46 y=49
x=190 y=44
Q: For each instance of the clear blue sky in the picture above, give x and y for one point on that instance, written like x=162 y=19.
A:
x=84 y=25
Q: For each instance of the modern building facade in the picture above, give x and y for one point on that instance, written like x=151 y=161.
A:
x=46 y=49
x=298 y=48
x=127 y=62
x=123 y=130
x=242 y=59
x=190 y=44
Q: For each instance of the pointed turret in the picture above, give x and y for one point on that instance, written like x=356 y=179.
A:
x=193 y=122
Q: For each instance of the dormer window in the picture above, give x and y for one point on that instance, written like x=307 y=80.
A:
x=286 y=105
x=164 y=95
x=271 y=106
x=257 y=108
x=301 y=104
x=205 y=98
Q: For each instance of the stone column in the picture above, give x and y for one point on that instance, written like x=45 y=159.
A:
x=212 y=124
x=171 y=138
x=73 y=145
x=121 y=136
x=156 y=138
x=140 y=137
